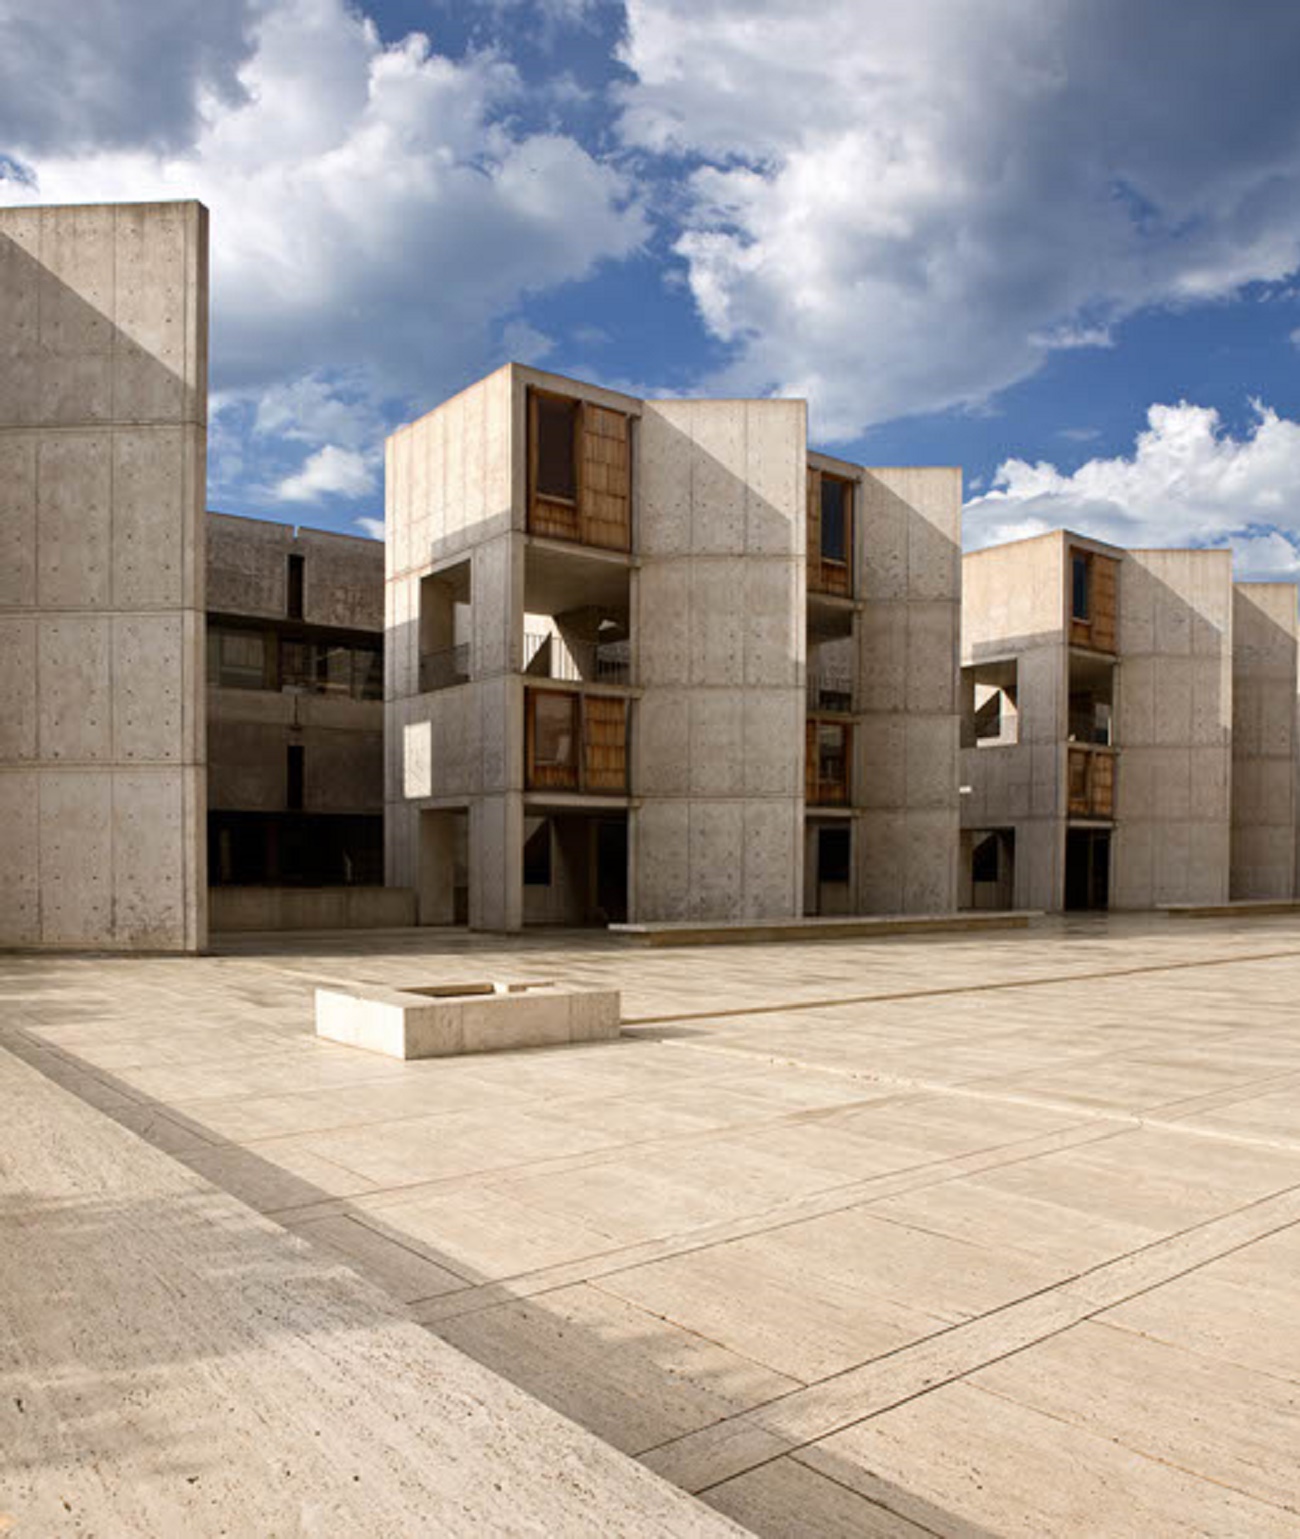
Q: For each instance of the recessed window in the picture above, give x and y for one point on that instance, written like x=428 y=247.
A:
x=1081 y=588
x=984 y=865
x=293 y=793
x=537 y=856
x=294 y=588
x=834 y=847
x=555 y=730
x=237 y=659
x=557 y=426
x=836 y=495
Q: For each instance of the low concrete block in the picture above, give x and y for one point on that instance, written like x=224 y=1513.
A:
x=437 y=1021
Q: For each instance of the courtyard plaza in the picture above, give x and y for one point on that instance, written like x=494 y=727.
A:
x=966 y=1235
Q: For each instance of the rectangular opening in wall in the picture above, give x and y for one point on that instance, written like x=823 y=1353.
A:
x=829 y=758
x=991 y=714
x=1087 y=868
x=552 y=740
x=445 y=626
x=294 y=768
x=1080 y=586
x=579 y=471
x=837 y=501
x=992 y=867
x=537 y=854
x=834 y=855
x=557 y=459
x=237 y=659
x=294 y=587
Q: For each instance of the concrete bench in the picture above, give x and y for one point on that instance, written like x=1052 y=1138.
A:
x=437 y=1020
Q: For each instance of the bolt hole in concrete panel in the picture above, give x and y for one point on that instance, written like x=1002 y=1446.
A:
x=439 y=1020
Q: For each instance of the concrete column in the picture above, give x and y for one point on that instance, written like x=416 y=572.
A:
x=496 y=868
x=103 y=413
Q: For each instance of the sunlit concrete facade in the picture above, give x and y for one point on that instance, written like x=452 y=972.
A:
x=655 y=660
x=1129 y=728
x=103 y=413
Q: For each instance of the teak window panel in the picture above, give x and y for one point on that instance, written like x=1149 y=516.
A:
x=828 y=763
x=579 y=472
x=575 y=742
x=1091 y=783
x=830 y=533
x=1093 y=600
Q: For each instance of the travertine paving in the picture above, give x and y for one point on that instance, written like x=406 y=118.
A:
x=972 y=1235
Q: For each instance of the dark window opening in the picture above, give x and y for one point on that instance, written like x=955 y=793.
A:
x=985 y=865
x=1081 y=585
x=537 y=856
x=834 y=849
x=832 y=754
x=293 y=604
x=294 y=778
x=835 y=519
x=237 y=659
x=557 y=425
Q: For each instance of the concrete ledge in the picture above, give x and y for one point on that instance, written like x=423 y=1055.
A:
x=847 y=927
x=1234 y=909
x=439 y=1020
x=233 y=909
x=185 y=1366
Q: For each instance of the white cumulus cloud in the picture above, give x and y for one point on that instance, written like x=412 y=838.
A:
x=330 y=472
x=377 y=214
x=1187 y=482
x=896 y=209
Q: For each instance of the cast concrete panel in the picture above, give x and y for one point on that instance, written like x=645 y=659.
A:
x=1264 y=683
x=908 y=638
x=20 y=891
x=1174 y=727
x=103 y=327
x=718 y=616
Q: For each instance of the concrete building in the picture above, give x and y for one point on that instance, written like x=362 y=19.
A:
x=652 y=659
x=103 y=414
x=295 y=723
x=1129 y=728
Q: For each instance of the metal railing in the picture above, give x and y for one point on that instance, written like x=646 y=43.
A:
x=602 y=662
x=443 y=669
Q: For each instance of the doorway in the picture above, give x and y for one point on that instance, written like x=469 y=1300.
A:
x=1087 y=868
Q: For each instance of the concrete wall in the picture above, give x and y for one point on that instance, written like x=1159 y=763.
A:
x=718 y=617
x=1174 y=723
x=905 y=753
x=1013 y=605
x=311 y=908
x=103 y=412
x=450 y=497
x=248 y=731
x=1263 y=740
x=343 y=575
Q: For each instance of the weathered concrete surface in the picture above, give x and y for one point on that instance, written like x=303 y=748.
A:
x=985 y=1234
x=174 y=1364
x=718 y=615
x=103 y=431
x=1174 y=721
x=906 y=769
x=430 y=1021
x=310 y=908
x=1263 y=740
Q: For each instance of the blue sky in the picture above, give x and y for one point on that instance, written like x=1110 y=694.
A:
x=1054 y=241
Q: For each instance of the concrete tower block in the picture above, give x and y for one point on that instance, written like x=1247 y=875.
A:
x=909 y=578
x=1174 y=720
x=103 y=414
x=1263 y=740
x=718 y=611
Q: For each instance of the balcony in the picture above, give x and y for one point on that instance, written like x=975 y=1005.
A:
x=546 y=656
x=575 y=742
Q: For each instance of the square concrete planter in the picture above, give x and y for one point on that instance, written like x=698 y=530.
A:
x=439 y=1020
